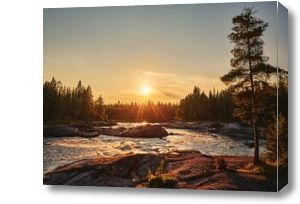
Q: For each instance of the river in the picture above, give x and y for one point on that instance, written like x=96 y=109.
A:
x=61 y=151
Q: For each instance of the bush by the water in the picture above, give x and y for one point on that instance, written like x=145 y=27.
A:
x=270 y=133
x=162 y=181
x=159 y=179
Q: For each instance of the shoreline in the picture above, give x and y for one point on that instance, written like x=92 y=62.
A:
x=191 y=169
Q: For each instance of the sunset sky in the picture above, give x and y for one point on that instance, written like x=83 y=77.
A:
x=156 y=53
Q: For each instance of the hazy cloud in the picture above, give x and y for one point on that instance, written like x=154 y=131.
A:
x=171 y=94
x=147 y=73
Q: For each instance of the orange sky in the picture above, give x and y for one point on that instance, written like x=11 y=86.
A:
x=169 y=49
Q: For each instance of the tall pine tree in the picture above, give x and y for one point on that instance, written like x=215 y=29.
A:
x=250 y=69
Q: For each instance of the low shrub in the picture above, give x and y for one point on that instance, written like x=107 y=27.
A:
x=159 y=179
x=162 y=181
x=221 y=163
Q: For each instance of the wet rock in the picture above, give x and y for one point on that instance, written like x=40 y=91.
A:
x=67 y=131
x=212 y=130
x=88 y=134
x=232 y=126
x=249 y=144
x=60 y=131
x=216 y=125
x=107 y=123
x=125 y=148
x=84 y=127
x=102 y=123
x=111 y=131
x=145 y=131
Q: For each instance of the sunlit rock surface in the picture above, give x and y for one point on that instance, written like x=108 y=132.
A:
x=192 y=169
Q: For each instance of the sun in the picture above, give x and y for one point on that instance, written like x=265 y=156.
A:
x=145 y=90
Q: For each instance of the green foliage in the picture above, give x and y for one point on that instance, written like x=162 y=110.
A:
x=86 y=109
x=162 y=181
x=99 y=109
x=283 y=93
x=159 y=179
x=61 y=103
x=198 y=106
x=270 y=133
x=266 y=104
x=161 y=169
x=248 y=80
x=250 y=74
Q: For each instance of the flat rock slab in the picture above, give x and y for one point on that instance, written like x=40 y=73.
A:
x=192 y=169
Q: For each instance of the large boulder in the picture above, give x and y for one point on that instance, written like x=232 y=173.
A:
x=84 y=127
x=126 y=171
x=107 y=123
x=145 y=131
x=232 y=126
x=110 y=131
x=60 y=131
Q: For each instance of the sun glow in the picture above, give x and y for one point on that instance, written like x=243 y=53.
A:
x=145 y=90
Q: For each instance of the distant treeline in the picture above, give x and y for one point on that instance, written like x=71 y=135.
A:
x=224 y=106
x=217 y=106
x=150 y=112
x=63 y=103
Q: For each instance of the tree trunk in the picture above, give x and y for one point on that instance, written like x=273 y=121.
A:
x=254 y=115
x=254 y=124
x=256 y=143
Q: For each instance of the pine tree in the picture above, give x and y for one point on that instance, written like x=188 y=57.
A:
x=99 y=111
x=77 y=100
x=250 y=69
x=86 y=104
x=283 y=93
x=270 y=133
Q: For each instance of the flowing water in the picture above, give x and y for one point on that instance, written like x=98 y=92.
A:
x=61 y=151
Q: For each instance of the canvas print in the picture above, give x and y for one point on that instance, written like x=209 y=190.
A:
x=188 y=96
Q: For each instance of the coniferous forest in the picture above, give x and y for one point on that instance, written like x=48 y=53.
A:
x=63 y=104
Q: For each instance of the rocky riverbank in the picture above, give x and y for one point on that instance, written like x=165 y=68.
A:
x=191 y=170
x=89 y=130
x=233 y=130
